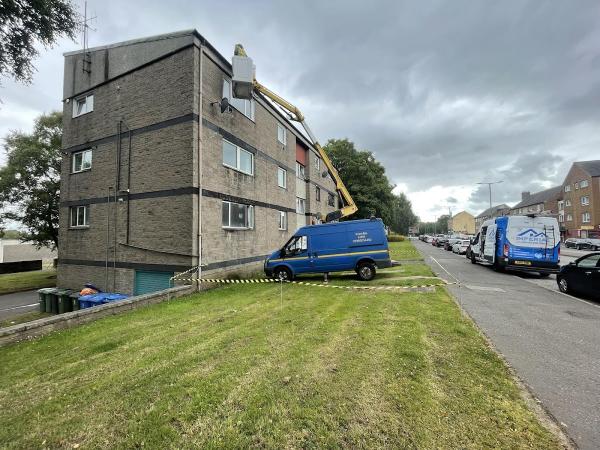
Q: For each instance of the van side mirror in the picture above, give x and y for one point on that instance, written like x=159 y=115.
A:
x=282 y=253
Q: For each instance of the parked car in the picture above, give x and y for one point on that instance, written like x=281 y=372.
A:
x=594 y=244
x=461 y=246
x=450 y=243
x=582 y=276
x=578 y=243
x=441 y=241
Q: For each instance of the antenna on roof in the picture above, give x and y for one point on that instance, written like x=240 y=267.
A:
x=84 y=26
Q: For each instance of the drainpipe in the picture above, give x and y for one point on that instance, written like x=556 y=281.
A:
x=200 y=155
x=107 y=236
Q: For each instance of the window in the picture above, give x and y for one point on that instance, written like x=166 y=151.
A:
x=317 y=164
x=300 y=171
x=246 y=107
x=569 y=217
x=561 y=205
x=281 y=134
x=282 y=220
x=567 y=202
x=80 y=216
x=330 y=200
x=297 y=244
x=300 y=205
x=281 y=177
x=590 y=261
x=568 y=188
x=83 y=105
x=317 y=193
x=561 y=217
x=576 y=186
x=237 y=216
x=584 y=184
x=585 y=200
x=81 y=161
x=586 y=217
x=237 y=158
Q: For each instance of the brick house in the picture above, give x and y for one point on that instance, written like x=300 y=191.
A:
x=490 y=213
x=544 y=202
x=156 y=178
x=462 y=222
x=579 y=209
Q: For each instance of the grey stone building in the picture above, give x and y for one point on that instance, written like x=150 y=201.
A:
x=157 y=179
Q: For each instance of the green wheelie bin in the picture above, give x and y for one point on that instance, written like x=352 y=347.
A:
x=64 y=302
x=74 y=298
x=44 y=299
x=53 y=300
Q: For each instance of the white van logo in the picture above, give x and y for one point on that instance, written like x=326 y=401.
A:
x=361 y=237
x=531 y=236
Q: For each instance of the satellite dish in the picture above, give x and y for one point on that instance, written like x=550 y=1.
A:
x=325 y=173
x=224 y=104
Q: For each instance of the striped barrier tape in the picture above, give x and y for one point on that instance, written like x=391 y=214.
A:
x=306 y=283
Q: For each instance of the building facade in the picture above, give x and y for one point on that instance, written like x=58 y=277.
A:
x=544 y=202
x=490 y=213
x=462 y=222
x=158 y=178
x=579 y=209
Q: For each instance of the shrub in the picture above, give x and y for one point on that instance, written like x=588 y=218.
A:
x=395 y=237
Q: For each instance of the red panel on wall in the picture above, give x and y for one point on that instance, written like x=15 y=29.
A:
x=300 y=154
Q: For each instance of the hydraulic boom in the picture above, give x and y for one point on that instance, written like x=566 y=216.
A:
x=244 y=83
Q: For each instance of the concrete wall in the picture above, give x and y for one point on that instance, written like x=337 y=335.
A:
x=13 y=250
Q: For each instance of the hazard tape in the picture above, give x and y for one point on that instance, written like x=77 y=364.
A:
x=306 y=283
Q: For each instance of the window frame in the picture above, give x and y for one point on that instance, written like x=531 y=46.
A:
x=300 y=201
x=282 y=219
x=567 y=188
x=330 y=199
x=283 y=130
x=317 y=164
x=233 y=101
x=82 y=153
x=582 y=185
x=284 y=172
x=249 y=216
x=585 y=197
x=584 y=215
x=300 y=170
x=567 y=202
x=89 y=104
x=569 y=218
x=237 y=158
x=86 y=216
x=317 y=193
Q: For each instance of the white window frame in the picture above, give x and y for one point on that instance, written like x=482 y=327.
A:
x=87 y=101
x=584 y=184
x=238 y=152
x=586 y=215
x=300 y=171
x=317 y=164
x=281 y=134
x=249 y=216
x=83 y=154
x=282 y=220
x=300 y=206
x=568 y=188
x=281 y=171
x=569 y=217
x=86 y=216
x=331 y=197
x=585 y=200
x=561 y=217
x=567 y=202
x=245 y=107
x=317 y=193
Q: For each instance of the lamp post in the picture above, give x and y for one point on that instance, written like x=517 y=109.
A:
x=490 y=188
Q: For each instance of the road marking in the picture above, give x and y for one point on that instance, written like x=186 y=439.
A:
x=483 y=288
x=557 y=291
x=18 y=307
x=444 y=269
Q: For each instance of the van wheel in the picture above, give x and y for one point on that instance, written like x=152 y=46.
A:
x=282 y=274
x=366 y=271
x=473 y=258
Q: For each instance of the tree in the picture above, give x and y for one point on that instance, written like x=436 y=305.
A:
x=30 y=181
x=25 y=23
x=364 y=177
x=402 y=214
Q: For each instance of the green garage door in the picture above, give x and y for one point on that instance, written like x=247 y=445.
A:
x=149 y=281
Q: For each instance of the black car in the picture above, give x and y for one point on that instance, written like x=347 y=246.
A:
x=582 y=276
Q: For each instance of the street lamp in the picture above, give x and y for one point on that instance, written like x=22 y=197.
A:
x=490 y=188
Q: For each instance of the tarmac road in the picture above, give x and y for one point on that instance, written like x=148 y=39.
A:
x=15 y=304
x=550 y=339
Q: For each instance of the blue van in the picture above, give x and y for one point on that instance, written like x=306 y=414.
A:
x=359 y=245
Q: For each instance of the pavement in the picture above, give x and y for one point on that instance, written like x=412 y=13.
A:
x=12 y=305
x=550 y=339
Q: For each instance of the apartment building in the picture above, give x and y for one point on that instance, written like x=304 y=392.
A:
x=159 y=175
x=490 y=213
x=579 y=209
x=462 y=222
x=544 y=202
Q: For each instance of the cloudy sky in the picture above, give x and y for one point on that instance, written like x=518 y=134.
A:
x=445 y=93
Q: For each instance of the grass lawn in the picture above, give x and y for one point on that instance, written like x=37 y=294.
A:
x=241 y=366
x=25 y=281
x=22 y=318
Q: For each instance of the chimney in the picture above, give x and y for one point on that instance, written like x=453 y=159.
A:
x=525 y=195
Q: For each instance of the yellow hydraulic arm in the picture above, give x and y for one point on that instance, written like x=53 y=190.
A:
x=349 y=207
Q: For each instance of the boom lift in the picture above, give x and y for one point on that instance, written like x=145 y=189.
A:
x=244 y=84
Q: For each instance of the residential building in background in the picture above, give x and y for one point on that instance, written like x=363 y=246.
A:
x=579 y=208
x=160 y=175
x=543 y=202
x=462 y=222
x=490 y=213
